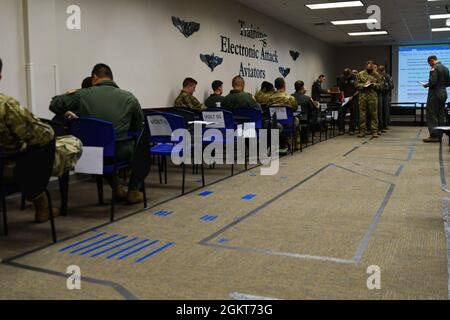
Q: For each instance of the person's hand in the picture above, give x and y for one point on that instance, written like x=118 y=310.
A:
x=69 y=115
x=351 y=98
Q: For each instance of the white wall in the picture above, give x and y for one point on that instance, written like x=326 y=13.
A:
x=12 y=50
x=148 y=55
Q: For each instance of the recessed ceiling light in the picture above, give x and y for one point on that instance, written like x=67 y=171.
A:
x=333 y=5
x=440 y=29
x=357 y=21
x=439 y=16
x=367 y=33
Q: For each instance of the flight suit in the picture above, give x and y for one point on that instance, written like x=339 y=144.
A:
x=240 y=99
x=368 y=99
x=437 y=97
x=347 y=86
x=213 y=99
x=187 y=100
x=20 y=129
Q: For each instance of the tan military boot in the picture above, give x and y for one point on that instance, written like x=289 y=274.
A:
x=135 y=197
x=121 y=194
x=375 y=136
x=362 y=135
x=42 y=210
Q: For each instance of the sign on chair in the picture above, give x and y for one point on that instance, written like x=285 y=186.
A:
x=91 y=161
x=281 y=113
x=216 y=117
x=159 y=126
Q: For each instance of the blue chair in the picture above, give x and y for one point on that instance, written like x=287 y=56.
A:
x=98 y=133
x=288 y=124
x=162 y=141
x=228 y=124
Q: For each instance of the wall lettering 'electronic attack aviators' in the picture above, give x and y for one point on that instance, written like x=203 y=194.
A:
x=186 y=28
x=294 y=54
x=285 y=71
x=212 y=61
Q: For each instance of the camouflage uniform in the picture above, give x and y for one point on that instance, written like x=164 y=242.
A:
x=185 y=99
x=263 y=97
x=19 y=128
x=282 y=99
x=368 y=99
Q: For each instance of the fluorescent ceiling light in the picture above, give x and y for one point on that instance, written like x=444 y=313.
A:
x=439 y=16
x=440 y=29
x=367 y=33
x=334 y=5
x=357 y=21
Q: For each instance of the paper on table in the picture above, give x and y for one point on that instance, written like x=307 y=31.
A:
x=421 y=83
x=91 y=162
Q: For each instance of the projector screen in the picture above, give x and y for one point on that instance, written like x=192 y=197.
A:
x=413 y=67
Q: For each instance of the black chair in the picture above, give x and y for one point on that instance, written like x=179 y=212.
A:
x=31 y=176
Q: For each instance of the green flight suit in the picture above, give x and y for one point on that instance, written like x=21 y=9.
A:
x=368 y=99
x=213 y=99
x=20 y=129
x=187 y=100
x=107 y=102
x=240 y=99
x=437 y=97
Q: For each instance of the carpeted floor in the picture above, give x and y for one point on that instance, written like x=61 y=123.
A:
x=310 y=232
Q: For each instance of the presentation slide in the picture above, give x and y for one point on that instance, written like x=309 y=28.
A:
x=413 y=68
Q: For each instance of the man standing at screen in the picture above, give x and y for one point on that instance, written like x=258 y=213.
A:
x=437 y=97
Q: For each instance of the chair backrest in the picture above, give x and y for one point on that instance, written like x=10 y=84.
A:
x=285 y=115
x=224 y=119
x=256 y=116
x=95 y=133
x=33 y=169
x=59 y=127
x=161 y=126
x=141 y=162
x=187 y=115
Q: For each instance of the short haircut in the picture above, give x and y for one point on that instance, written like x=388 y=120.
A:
x=216 y=85
x=237 y=81
x=267 y=87
x=322 y=76
x=1 y=65
x=280 y=83
x=299 y=85
x=371 y=62
x=432 y=58
x=87 y=83
x=189 y=82
x=102 y=70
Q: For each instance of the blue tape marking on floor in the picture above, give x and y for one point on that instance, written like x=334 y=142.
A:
x=113 y=248
x=205 y=194
x=126 y=249
x=249 y=197
x=163 y=213
x=155 y=252
x=138 y=249
x=102 y=246
x=253 y=175
x=223 y=241
x=93 y=244
x=208 y=218
x=81 y=242
x=212 y=218
x=284 y=178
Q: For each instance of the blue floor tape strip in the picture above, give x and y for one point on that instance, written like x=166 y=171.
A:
x=93 y=244
x=126 y=249
x=81 y=242
x=102 y=246
x=205 y=194
x=138 y=249
x=113 y=248
x=148 y=256
x=249 y=197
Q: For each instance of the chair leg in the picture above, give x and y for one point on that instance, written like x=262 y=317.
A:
x=165 y=169
x=144 y=192
x=23 y=202
x=159 y=169
x=292 y=143
x=100 y=189
x=232 y=170
x=5 y=218
x=113 y=204
x=183 y=185
x=50 y=213
x=203 y=175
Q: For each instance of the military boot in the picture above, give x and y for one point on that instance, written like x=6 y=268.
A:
x=41 y=208
x=135 y=197
x=362 y=134
x=121 y=194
